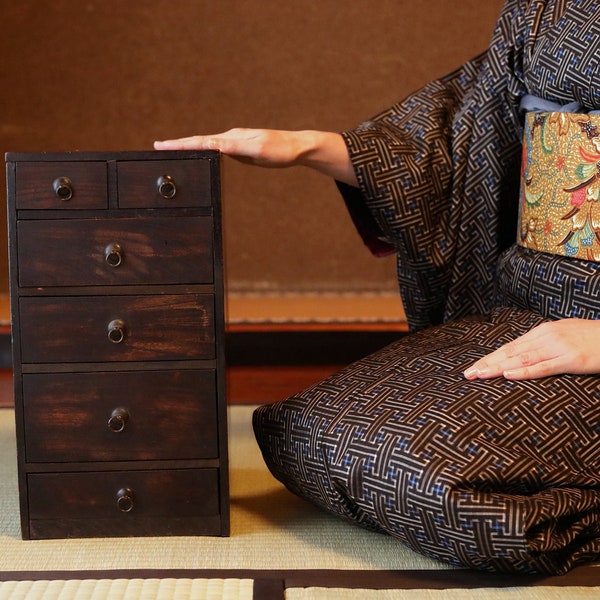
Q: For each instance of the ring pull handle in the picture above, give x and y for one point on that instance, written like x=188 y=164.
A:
x=117 y=331
x=63 y=188
x=125 y=500
x=166 y=186
x=113 y=254
x=118 y=420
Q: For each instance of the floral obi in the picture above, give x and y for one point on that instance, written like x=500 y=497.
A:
x=559 y=210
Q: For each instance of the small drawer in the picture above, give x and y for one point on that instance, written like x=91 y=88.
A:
x=126 y=251
x=164 y=183
x=61 y=185
x=152 y=415
x=117 y=328
x=124 y=503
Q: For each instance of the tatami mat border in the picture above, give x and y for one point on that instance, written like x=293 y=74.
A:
x=271 y=585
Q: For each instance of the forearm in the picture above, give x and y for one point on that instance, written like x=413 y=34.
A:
x=326 y=153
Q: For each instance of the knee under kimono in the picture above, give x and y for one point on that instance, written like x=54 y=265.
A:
x=494 y=475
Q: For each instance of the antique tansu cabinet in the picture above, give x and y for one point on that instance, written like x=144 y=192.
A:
x=118 y=331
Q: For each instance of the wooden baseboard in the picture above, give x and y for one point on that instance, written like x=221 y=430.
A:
x=278 y=345
x=265 y=366
x=245 y=384
x=266 y=384
x=6 y=388
x=5 y=348
x=303 y=346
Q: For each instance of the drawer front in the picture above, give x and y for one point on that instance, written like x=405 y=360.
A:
x=117 y=328
x=152 y=415
x=128 y=251
x=164 y=183
x=123 y=503
x=61 y=185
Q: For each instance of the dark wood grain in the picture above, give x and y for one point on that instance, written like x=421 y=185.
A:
x=165 y=502
x=35 y=191
x=72 y=252
x=118 y=344
x=74 y=329
x=170 y=415
x=138 y=183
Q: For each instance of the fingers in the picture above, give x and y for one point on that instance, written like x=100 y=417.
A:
x=525 y=366
x=196 y=142
x=552 y=348
x=239 y=143
x=536 y=371
x=527 y=357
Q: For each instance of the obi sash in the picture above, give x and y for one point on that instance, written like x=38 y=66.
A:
x=559 y=209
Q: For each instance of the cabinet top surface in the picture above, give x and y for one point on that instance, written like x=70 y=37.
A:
x=107 y=156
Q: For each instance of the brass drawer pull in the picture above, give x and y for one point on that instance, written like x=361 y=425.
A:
x=166 y=186
x=113 y=254
x=118 y=420
x=125 y=500
x=116 y=331
x=63 y=188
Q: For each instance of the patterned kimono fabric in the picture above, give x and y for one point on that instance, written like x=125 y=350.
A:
x=496 y=475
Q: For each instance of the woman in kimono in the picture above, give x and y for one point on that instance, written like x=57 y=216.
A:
x=476 y=439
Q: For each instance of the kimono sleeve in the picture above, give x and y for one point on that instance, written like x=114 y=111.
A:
x=436 y=176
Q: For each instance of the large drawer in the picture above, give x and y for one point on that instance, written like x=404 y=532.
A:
x=124 y=251
x=152 y=415
x=164 y=183
x=123 y=503
x=61 y=185
x=117 y=328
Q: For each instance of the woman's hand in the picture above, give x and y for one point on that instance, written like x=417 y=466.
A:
x=263 y=147
x=323 y=151
x=552 y=348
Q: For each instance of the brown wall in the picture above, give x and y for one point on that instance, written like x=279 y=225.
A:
x=117 y=74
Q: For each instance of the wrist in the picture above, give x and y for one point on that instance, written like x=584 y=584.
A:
x=325 y=152
x=310 y=147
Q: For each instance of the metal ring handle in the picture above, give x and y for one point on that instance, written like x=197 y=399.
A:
x=118 y=420
x=116 y=331
x=63 y=188
x=125 y=500
x=166 y=186
x=113 y=254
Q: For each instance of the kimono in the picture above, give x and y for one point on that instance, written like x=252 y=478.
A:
x=496 y=475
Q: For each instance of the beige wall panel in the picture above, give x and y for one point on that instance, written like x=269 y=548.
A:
x=117 y=74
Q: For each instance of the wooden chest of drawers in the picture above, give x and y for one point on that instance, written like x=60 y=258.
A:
x=118 y=346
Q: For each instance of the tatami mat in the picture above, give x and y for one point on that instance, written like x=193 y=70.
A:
x=242 y=589
x=129 y=589
x=270 y=528
x=278 y=543
x=315 y=308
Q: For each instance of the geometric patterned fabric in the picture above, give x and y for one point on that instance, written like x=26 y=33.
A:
x=548 y=285
x=496 y=475
x=491 y=474
x=439 y=172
